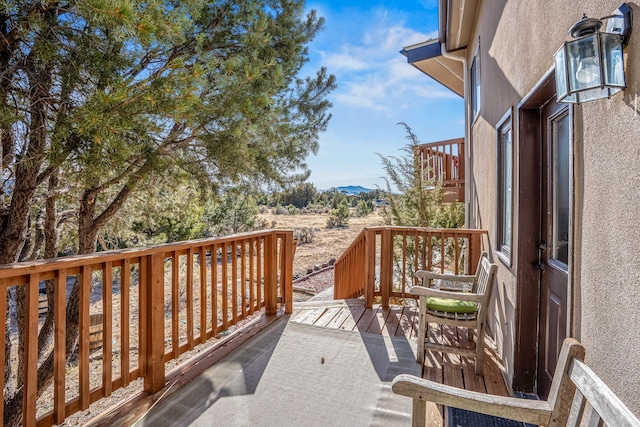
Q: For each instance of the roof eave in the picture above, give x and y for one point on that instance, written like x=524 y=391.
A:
x=427 y=57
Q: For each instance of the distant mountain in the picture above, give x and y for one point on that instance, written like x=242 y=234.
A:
x=353 y=190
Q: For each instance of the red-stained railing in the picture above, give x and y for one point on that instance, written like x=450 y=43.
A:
x=443 y=162
x=156 y=304
x=381 y=260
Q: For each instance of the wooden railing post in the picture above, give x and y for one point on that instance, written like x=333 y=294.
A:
x=386 y=266
x=30 y=380
x=154 y=355
x=369 y=266
x=475 y=249
x=270 y=274
x=288 y=250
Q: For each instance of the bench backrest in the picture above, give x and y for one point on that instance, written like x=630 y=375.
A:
x=574 y=385
x=606 y=406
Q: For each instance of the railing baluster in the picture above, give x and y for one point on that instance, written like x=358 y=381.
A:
x=3 y=337
x=143 y=272
x=175 y=303
x=442 y=252
x=404 y=262
x=190 y=333
x=125 y=321
x=59 y=358
x=203 y=294
x=259 y=260
x=224 y=292
x=457 y=255
x=214 y=289
x=107 y=327
x=416 y=259
x=252 y=278
x=234 y=282
x=83 y=348
x=243 y=276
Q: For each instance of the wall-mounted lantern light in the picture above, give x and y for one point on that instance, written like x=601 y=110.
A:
x=592 y=66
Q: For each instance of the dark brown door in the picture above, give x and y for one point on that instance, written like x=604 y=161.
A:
x=555 y=243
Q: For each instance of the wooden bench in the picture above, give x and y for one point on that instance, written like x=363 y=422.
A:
x=574 y=384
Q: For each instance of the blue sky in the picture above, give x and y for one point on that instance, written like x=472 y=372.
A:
x=377 y=88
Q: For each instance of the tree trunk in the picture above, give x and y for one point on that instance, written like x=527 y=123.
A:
x=28 y=166
x=45 y=337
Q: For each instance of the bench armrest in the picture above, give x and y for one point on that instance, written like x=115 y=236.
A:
x=439 y=293
x=528 y=411
x=430 y=275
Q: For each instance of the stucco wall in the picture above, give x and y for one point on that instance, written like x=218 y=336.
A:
x=517 y=43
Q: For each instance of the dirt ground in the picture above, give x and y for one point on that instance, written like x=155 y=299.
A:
x=327 y=243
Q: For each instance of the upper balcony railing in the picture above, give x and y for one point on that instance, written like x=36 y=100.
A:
x=156 y=303
x=381 y=261
x=443 y=162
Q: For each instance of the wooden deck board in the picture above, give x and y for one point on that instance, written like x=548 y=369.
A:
x=354 y=317
x=408 y=323
x=393 y=321
x=378 y=321
x=309 y=317
x=365 y=320
x=328 y=316
x=472 y=381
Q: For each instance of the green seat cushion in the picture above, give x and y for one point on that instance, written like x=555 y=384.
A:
x=451 y=305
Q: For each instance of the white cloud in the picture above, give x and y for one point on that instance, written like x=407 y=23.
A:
x=371 y=72
x=343 y=61
x=429 y=4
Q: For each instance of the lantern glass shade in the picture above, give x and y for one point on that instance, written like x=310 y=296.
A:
x=590 y=67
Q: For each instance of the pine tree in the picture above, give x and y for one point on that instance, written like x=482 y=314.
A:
x=99 y=97
x=413 y=200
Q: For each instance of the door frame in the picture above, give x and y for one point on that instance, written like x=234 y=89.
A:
x=527 y=232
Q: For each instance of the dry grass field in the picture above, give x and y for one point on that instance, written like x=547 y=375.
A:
x=327 y=242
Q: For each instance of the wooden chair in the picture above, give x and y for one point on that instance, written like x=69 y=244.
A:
x=574 y=385
x=467 y=308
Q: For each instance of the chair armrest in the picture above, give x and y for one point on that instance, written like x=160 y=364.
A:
x=529 y=411
x=439 y=293
x=429 y=275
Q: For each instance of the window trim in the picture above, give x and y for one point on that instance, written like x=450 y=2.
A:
x=505 y=126
x=475 y=85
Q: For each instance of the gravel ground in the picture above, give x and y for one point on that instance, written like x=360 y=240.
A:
x=315 y=282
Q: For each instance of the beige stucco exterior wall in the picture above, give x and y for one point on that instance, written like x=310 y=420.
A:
x=517 y=42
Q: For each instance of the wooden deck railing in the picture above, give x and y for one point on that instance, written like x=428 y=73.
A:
x=443 y=162
x=157 y=303
x=381 y=260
